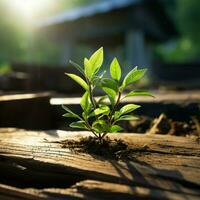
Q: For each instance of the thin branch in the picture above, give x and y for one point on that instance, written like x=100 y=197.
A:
x=91 y=94
x=90 y=128
x=115 y=106
x=112 y=112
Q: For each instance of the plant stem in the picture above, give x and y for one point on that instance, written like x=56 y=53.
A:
x=104 y=134
x=115 y=106
x=90 y=128
x=112 y=112
x=94 y=133
x=94 y=107
x=100 y=138
x=90 y=93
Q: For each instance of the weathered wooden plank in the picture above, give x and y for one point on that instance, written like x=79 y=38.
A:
x=102 y=190
x=141 y=143
x=24 y=96
x=166 y=164
x=181 y=97
x=27 y=111
x=94 y=190
x=176 y=106
x=12 y=193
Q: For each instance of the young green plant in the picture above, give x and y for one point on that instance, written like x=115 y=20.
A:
x=101 y=115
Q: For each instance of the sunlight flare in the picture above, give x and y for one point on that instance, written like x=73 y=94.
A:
x=28 y=8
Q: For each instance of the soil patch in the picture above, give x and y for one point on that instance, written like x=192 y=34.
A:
x=112 y=149
x=164 y=125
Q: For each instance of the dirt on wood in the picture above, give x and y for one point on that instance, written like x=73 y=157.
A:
x=109 y=149
x=164 y=125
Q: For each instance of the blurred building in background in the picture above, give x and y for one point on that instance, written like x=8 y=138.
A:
x=38 y=38
x=134 y=26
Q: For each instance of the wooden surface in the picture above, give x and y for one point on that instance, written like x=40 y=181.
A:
x=34 y=166
x=179 y=97
x=178 y=106
x=28 y=111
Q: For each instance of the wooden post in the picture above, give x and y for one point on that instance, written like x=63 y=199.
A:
x=67 y=45
x=135 y=49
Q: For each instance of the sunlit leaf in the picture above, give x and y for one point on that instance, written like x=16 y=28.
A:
x=96 y=60
x=115 y=69
x=128 y=108
x=79 y=80
x=101 y=110
x=115 y=128
x=71 y=112
x=69 y=115
x=139 y=93
x=111 y=94
x=127 y=118
x=88 y=68
x=133 y=76
x=78 y=124
x=85 y=102
x=117 y=114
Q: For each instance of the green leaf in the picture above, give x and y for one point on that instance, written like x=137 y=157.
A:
x=138 y=93
x=96 y=60
x=102 y=74
x=79 y=80
x=101 y=99
x=111 y=94
x=101 y=126
x=88 y=68
x=101 y=110
x=97 y=79
x=133 y=76
x=127 y=118
x=128 y=108
x=115 y=70
x=117 y=114
x=77 y=66
x=109 y=83
x=78 y=124
x=69 y=111
x=85 y=103
x=69 y=115
x=115 y=128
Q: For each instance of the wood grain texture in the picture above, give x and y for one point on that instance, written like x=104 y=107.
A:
x=162 y=167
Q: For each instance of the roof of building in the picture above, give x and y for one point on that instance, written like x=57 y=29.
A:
x=107 y=18
x=99 y=7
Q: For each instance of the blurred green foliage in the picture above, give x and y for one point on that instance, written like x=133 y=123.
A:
x=5 y=68
x=187 y=47
x=18 y=45
x=11 y=38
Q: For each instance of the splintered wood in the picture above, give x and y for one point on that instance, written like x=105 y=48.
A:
x=34 y=166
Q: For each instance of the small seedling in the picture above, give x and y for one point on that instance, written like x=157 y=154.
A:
x=101 y=115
